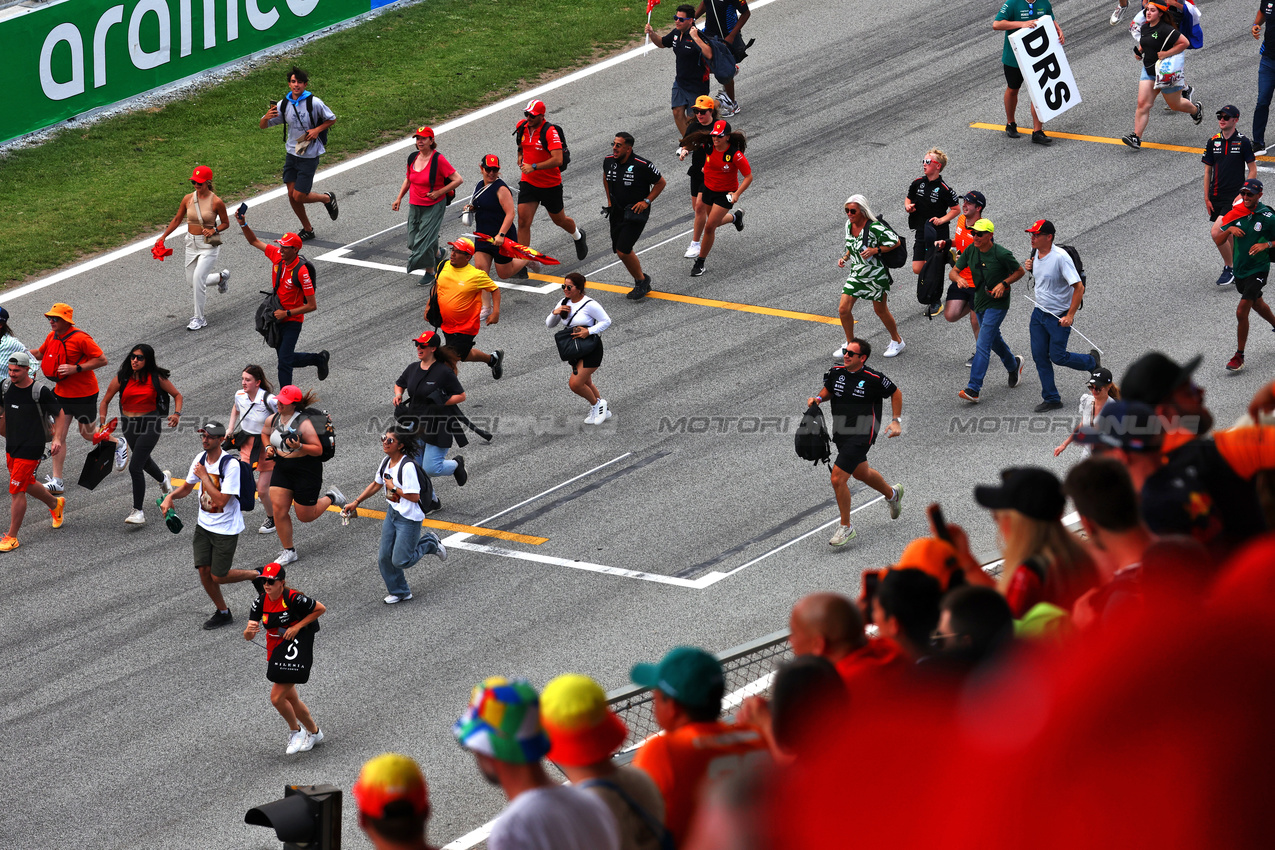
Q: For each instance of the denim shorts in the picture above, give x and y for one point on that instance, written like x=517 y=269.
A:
x=1150 y=79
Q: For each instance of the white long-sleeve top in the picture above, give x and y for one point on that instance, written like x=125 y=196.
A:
x=588 y=313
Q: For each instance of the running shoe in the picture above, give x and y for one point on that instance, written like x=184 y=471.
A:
x=640 y=289
x=738 y=220
x=323 y=367
x=1047 y=406
x=521 y=274
x=135 y=518
x=1097 y=359
x=896 y=504
x=582 y=245
x=306 y=235
x=166 y=484
x=894 y=348
x=287 y=556
x=460 y=474
x=1236 y=363
x=1199 y=112
x=217 y=620
x=1117 y=15
x=53 y=485
x=969 y=361
x=1017 y=374
x=1011 y=130
x=267 y=527
x=57 y=511
x=1132 y=140
x=497 y=364
x=196 y=324
x=331 y=206
x=1259 y=149
x=121 y=455
x=440 y=551
x=933 y=310
x=1039 y=138
x=592 y=418
x=337 y=497
x=604 y=411
x=843 y=535
x=296 y=739
x=223 y=282
x=8 y=544
x=394 y=598
x=692 y=251
x=1227 y=277
x=698 y=268
x=311 y=740
x=969 y=395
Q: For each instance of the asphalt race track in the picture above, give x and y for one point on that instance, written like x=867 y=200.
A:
x=126 y=726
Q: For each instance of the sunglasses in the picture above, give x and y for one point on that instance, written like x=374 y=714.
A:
x=389 y=439
x=850 y=353
x=567 y=287
x=928 y=161
x=682 y=20
x=491 y=168
x=978 y=233
x=137 y=357
x=422 y=345
x=1249 y=194
x=851 y=210
x=698 y=111
x=619 y=144
x=271 y=581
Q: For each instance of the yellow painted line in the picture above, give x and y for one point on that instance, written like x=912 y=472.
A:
x=709 y=302
x=1103 y=140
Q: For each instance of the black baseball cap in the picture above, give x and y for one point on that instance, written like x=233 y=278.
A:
x=1030 y=490
x=1228 y=111
x=213 y=429
x=1153 y=377
x=1129 y=425
x=975 y=197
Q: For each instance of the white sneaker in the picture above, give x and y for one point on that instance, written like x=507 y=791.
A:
x=295 y=739
x=136 y=518
x=287 y=556
x=394 y=598
x=604 y=412
x=53 y=485
x=692 y=250
x=121 y=455
x=166 y=486
x=893 y=349
x=845 y=533
x=840 y=352
x=308 y=742
x=592 y=418
x=267 y=527
x=196 y=323
x=896 y=504
x=223 y=285
x=1117 y=15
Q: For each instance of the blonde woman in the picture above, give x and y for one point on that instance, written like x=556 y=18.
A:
x=866 y=277
x=206 y=217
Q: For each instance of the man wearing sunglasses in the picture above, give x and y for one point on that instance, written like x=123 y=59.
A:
x=632 y=183
x=691 y=53
x=540 y=158
x=1228 y=161
x=1252 y=226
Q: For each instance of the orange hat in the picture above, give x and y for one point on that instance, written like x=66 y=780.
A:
x=582 y=728
x=391 y=779
x=463 y=244
x=201 y=174
x=63 y=312
x=289 y=240
x=424 y=132
x=930 y=555
x=705 y=102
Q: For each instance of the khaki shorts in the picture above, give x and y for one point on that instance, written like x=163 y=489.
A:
x=213 y=550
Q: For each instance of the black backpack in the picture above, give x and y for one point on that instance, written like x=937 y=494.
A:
x=544 y=140
x=247 y=484
x=929 y=284
x=429 y=499
x=322 y=423
x=267 y=325
x=1080 y=269
x=309 y=108
x=812 y=438
x=896 y=256
x=46 y=419
x=433 y=176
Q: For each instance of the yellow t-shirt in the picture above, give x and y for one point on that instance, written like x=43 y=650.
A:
x=458 y=297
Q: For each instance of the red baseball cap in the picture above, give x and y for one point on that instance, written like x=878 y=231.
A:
x=424 y=338
x=491 y=161
x=721 y=128
x=463 y=244
x=201 y=174
x=425 y=132
x=289 y=240
x=1041 y=226
x=536 y=107
x=273 y=570
x=291 y=394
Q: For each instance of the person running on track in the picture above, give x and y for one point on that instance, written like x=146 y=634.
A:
x=24 y=410
x=253 y=403
x=586 y=318
x=960 y=296
x=703 y=117
x=1160 y=40
x=494 y=212
x=429 y=178
x=540 y=158
x=204 y=214
x=930 y=201
x=722 y=186
x=867 y=278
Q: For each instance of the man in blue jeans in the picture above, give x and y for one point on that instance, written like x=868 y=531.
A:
x=994 y=271
x=1059 y=291
x=1265 y=75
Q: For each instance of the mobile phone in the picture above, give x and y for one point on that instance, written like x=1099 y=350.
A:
x=270 y=104
x=870 y=580
x=939 y=522
x=243 y=210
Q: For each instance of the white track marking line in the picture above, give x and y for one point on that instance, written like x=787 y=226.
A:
x=338 y=255
x=575 y=565
x=643 y=251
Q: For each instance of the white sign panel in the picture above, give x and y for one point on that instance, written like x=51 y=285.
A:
x=1045 y=70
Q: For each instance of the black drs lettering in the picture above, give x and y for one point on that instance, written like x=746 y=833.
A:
x=1057 y=96
x=1036 y=42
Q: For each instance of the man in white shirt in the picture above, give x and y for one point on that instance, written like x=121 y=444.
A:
x=1059 y=291
x=220 y=519
x=502 y=728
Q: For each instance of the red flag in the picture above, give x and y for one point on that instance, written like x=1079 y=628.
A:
x=105 y=432
x=160 y=252
x=510 y=248
x=1235 y=213
x=650 y=5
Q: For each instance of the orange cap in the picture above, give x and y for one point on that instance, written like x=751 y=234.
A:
x=63 y=312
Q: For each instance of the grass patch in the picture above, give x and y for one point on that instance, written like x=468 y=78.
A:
x=94 y=188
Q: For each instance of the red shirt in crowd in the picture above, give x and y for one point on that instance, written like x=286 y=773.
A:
x=534 y=152
x=75 y=348
x=722 y=170
x=289 y=296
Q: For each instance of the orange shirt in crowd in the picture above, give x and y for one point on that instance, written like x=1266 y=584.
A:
x=75 y=348
x=459 y=297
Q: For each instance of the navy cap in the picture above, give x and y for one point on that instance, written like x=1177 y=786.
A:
x=1228 y=111
x=975 y=197
x=1254 y=185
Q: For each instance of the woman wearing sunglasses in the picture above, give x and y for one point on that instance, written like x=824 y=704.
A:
x=494 y=211
x=144 y=390
x=1159 y=40
x=402 y=543
x=724 y=167
x=431 y=386
x=703 y=116
x=867 y=278
x=585 y=318
x=290 y=619
x=253 y=403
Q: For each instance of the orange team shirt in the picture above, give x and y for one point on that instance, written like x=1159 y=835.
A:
x=459 y=297
x=682 y=760
x=289 y=296
x=534 y=152
x=962 y=240
x=75 y=348
x=722 y=170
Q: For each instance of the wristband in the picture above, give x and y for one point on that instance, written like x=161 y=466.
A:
x=79 y=368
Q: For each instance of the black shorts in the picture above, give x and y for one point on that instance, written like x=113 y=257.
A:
x=697 y=183
x=550 y=198
x=299 y=171
x=82 y=408
x=1250 y=288
x=485 y=247
x=302 y=475
x=850 y=455
x=956 y=292
x=1013 y=77
x=715 y=199
x=918 y=246
x=1221 y=204
x=462 y=344
x=591 y=361
x=624 y=234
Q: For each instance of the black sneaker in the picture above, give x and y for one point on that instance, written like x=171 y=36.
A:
x=640 y=289
x=739 y=220
x=698 y=268
x=331 y=207
x=582 y=246
x=497 y=364
x=1016 y=375
x=217 y=620
x=1039 y=138
x=460 y=474
x=521 y=274
x=933 y=310
x=1047 y=406
x=323 y=367
x=1132 y=140
x=1097 y=359
x=306 y=235
x=434 y=505
x=1199 y=112
x=1011 y=130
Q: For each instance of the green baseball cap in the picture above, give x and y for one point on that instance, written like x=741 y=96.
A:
x=687 y=674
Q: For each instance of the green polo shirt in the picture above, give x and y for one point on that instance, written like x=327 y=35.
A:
x=1019 y=10
x=1258 y=227
x=988 y=269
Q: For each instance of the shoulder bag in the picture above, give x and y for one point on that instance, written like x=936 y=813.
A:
x=571 y=348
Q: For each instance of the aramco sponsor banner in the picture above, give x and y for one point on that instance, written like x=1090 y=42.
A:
x=69 y=57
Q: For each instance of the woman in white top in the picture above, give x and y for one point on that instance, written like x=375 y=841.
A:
x=1101 y=390
x=205 y=217
x=252 y=405
x=586 y=318
x=402 y=543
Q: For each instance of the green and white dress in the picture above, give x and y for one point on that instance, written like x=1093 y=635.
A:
x=868 y=279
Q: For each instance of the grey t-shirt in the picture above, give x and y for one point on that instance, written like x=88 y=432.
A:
x=635 y=831
x=1055 y=275
x=556 y=818
x=297 y=116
